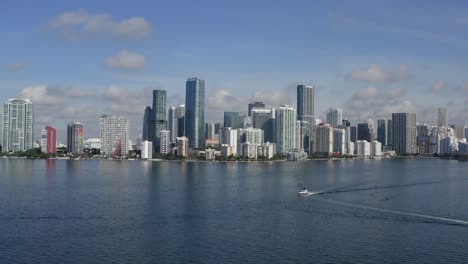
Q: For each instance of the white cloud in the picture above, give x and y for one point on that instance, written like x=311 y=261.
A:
x=126 y=60
x=132 y=28
x=76 y=24
x=439 y=85
x=40 y=95
x=376 y=74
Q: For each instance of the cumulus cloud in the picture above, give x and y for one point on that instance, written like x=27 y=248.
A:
x=126 y=60
x=76 y=24
x=371 y=102
x=376 y=74
x=439 y=85
x=40 y=95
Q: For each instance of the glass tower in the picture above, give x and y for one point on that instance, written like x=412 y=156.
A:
x=195 y=112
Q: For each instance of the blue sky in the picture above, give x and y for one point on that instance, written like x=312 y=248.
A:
x=78 y=59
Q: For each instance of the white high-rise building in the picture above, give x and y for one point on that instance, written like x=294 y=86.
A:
x=176 y=121
x=442 y=117
x=376 y=149
x=182 y=146
x=18 y=125
x=267 y=150
x=228 y=137
x=323 y=140
x=285 y=129
x=115 y=135
x=165 y=141
x=147 y=149
x=254 y=136
x=335 y=117
x=363 y=148
x=339 y=140
x=249 y=150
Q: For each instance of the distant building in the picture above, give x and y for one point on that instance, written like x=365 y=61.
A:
x=376 y=149
x=285 y=129
x=254 y=105
x=228 y=137
x=353 y=136
x=382 y=131
x=442 y=117
x=227 y=151
x=305 y=103
x=304 y=132
x=49 y=140
x=195 y=112
x=335 y=117
x=423 y=139
x=210 y=154
x=231 y=119
x=147 y=150
x=75 y=135
x=115 y=135
x=363 y=149
x=364 y=132
x=249 y=150
x=92 y=143
x=323 y=142
x=165 y=142
x=182 y=144
x=176 y=121
x=267 y=150
x=404 y=133
x=339 y=140
x=17 y=125
x=389 y=134
x=210 y=131
x=254 y=136
x=264 y=118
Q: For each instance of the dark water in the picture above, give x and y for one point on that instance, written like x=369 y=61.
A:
x=389 y=211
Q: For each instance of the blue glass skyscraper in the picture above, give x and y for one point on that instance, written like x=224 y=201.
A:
x=195 y=112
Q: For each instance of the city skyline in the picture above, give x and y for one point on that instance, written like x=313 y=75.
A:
x=352 y=53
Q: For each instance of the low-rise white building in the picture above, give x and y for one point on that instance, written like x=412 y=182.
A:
x=249 y=150
x=227 y=150
x=363 y=148
x=210 y=154
x=376 y=149
x=267 y=150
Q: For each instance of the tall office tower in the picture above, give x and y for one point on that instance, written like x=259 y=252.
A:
x=115 y=136
x=176 y=121
x=241 y=135
x=382 y=136
x=75 y=135
x=264 y=118
x=346 y=125
x=254 y=136
x=390 y=134
x=182 y=146
x=164 y=142
x=303 y=131
x=49 y=140
x=158 y=121
x=353 y=136
x=18 y=125
x=305 y=103
x=364 y=132
x=228 y=137
x=147 y=131
x=423 y=139
x=231 y=119
x=255 y=105
x=210 y=131
x=323 y=140
x=442 y=117
x=339 y=140
x=335 y=117
x=404 y=133
x=195 y=112
x=285 y=129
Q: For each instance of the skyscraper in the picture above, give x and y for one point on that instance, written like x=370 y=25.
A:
x=210 y=131
x=364 y=132
x=256 y=105
x=49 y=140
x=382 y=136
x=231 y=119
x=285 y=129
x=442 y=117
x=18 y=125
x=264 y=118
x=115 y=135
x=176 y=121
x=390 y=134
x=335 y=117
x=159 y=116
x=305 y=103
x=195 y=112
x=75 y=135
x=165 y=142
x=404 y=133
x=323 y=142
x=147 y=127
x=303 y=131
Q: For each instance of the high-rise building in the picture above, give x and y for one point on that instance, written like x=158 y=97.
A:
x=335 y=117
x=363 y=148
x=147 y=127
x=75 y=137
x=382 y=130
x=147 y=150
x=49 y=140
x=376 y=149
x=210 y=131
x=231 y=119
x=195 y=112
x=442 y=117
x=228 y=137
x=18 y=125
x=353 y=134
x=404 y=133
x=423 y=139
x=285 y=129
x=158 y=121
x=303 y=130
x=389 y=134
x=339 y=140
x=182 y=144
x=115 y=135
x=263 y=118
x=255 y=105
x=254 y=136
x=323 y=142
x=176 y=121
x=164 y=142
x=364 y=132
x=305 y=103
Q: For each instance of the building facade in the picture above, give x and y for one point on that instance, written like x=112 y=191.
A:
x=335 y=117
x=195 y=112
x=165 y=142
x=382 y=130
x=404 y=133
x=264 y=118
x=115 y=136
x=254 y=105
x=147 y=149
x=285 y=129
x=305 y=103
x=49 y=140
x=75 y=137
x=323 y=140
x=176 y=121
x=18 y=125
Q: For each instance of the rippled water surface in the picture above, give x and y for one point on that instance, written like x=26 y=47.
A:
x=388 y=211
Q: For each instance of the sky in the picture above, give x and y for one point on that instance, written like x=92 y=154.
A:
x=77 y=60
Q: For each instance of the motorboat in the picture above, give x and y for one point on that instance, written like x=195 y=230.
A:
x=305 y=192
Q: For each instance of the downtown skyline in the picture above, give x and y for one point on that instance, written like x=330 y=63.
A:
x=96 y=65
